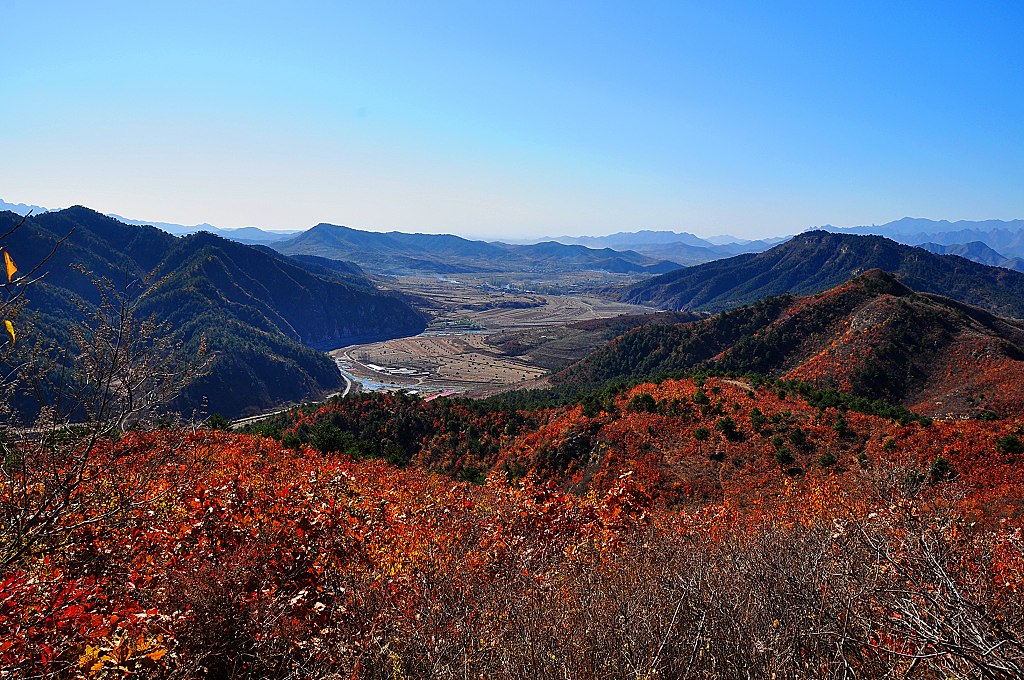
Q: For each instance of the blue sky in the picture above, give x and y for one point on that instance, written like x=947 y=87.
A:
x=517 y=119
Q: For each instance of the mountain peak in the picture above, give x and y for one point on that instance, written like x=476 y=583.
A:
x=879 y=281
x=81 y=210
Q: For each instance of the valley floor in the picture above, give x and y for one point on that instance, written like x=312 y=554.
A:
x=481 y=341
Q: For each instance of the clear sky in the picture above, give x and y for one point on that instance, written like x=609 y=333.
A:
x=516 y=119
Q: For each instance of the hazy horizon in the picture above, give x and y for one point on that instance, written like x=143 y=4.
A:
x=502 y=122
x=696 y=231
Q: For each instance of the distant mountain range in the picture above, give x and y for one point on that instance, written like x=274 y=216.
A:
x=644 y=237
x=21 y=208
x=976 y=251
x=818 y=260
x=263 y=315
x=398 y=252
x=682 y=247
x=1006 y=237
x=251 y=235
x=1004 y=240
x=240 y=234
x=918 y=227
x=872 y=337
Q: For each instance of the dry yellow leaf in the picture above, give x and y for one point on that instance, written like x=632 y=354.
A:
x=89 y=657
x=10 y=330
x=11 y=267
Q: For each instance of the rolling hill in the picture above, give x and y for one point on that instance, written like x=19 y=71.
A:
x=556 y=347
x=263 y=315
x=819 y=260
x=871 y=337
x=397 y=252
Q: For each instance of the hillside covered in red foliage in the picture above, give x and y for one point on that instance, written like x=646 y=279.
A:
x=871 y=337
x=714 y=527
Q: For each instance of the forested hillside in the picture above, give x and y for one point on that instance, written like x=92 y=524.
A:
x=262 y=315
x=674 y=528
x=816 y=261
x=871 y=337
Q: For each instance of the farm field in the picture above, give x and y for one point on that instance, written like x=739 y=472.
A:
x=481 y=340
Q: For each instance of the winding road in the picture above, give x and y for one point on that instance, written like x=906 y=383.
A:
x=249 y=420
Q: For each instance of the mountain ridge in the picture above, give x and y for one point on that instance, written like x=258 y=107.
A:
x=976 y=251
x=262 y=314
x=396 y=252
x=1003 y=236
x=818 y=260
x=682 y=247
x=872 y=337
x=249 y=235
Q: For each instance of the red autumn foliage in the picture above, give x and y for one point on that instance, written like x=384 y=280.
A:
x=607 y=545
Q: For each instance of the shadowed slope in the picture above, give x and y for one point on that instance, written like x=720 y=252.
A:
x=262 y=314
